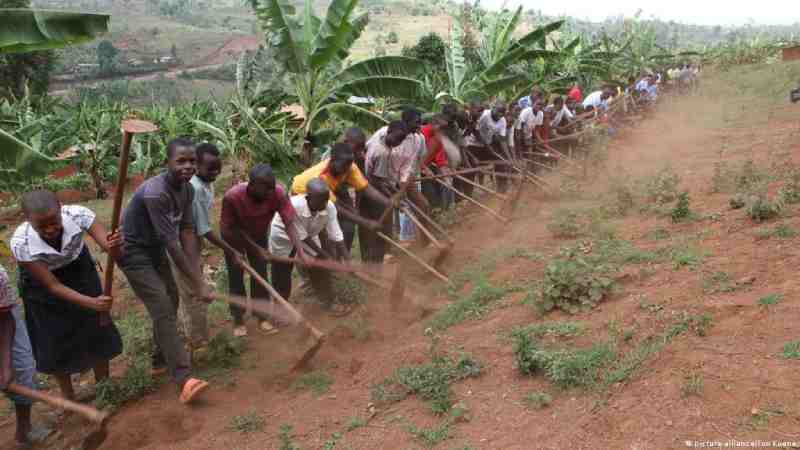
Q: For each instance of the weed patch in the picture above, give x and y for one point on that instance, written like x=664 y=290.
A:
x=134 y=383
x=718 y=282
x=685 y=256
x=537 y=400
x=662 y=187
x=355 y=423
x=565 y=223
x=431 y=382
x=760 y=208
x=557 y=329
x=247 y=423
x=318 y=382
x=692 y=385
x=472 y=306
x=431 y=437
x=780 y=231
x=791 y=350
x=771 y=299
x=285 y=438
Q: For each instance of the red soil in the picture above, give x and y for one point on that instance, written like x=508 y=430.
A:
x=744 y=379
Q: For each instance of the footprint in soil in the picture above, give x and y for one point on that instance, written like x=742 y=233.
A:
x=154 y=426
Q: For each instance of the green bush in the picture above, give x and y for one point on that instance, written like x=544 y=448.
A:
x=681 y=211
x=565 y=223
x=761 y=209
x=573 y=285
x=662 y=188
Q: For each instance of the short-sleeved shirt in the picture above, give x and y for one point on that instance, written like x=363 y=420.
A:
x=240 y=211
x=8 y=295
x=575 y=94
x=595 y=100
x=201 y=206
x=396 y=164
x=353 y=178
x=564 y=113
x=434 y=144
x=157 y=213
x=528 y=121
x=307 y=224
x=27 y=246
x=488 y=128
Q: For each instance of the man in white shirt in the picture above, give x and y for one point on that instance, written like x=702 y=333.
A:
x=492 y=130
x=562 y=116
x=314 y=212
x=598 y=100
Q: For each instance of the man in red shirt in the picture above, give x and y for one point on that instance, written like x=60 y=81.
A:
x=435 y=161
x=575 y=93
x=248 y=209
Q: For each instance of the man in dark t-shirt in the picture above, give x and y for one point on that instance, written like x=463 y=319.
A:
x=157 y=221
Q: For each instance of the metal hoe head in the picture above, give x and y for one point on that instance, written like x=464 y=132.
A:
x=136 y=126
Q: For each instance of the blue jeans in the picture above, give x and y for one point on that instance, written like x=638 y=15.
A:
x=22 y=358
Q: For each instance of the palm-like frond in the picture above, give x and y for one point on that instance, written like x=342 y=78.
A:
x=25 y=30
x=337 y=32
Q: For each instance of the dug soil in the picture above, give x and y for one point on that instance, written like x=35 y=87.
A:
x=723 y=378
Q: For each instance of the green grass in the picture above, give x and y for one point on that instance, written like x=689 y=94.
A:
x=355 y=423
x=537 y=400
x=791 y=350
x=472 y=306
x=285 y=438
x=431 y=382
x=771 y=299
x=686 y=256
x=692 y=385
x=431 y=437
x=247 y=423
x=780 y=231
x=135 y=382
x=565 y=224
x=318 y=382
x=717 y=282
x=224 y=354
x=658 y=234
x=557 y=329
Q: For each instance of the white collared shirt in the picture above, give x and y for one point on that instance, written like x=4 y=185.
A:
x=27 y=246
x=306 y=224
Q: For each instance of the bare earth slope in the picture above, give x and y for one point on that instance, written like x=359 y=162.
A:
x=700 y=356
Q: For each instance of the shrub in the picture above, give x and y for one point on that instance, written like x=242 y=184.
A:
x=771 y=299
x=791 y=350
x=565 y=224
x=392 y=38
x=790 y=192
x=662 y=188
x=761 y=209
x=738 y=201
x=681 y=211
x=573 y=285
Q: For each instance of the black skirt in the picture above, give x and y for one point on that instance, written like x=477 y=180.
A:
x=67 y=338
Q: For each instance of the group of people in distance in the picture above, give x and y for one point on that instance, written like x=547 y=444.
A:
x=168 y=221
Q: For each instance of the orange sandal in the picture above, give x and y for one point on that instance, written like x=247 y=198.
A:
x=191 y=388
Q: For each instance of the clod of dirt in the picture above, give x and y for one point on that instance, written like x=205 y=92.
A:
x=746 y=281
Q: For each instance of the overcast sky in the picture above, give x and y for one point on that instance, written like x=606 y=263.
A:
x=703 y=12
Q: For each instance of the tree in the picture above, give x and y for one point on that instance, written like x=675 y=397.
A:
x=392 y=38
x=106 y=57
x=313 y=52
x=430 y=48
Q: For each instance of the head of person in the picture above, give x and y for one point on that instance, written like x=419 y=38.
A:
x=571 y=103
x=357 y=140
x=588 y=109
x=342 y=158
x=513 y=113
x=395 y=133
x=209 y=163
x=43 y=211
x=499 y=111
x=536 y=104
x=450 y=112
x=412 y=118
x=475 y=108
x=317 y=194
x=181 y=160
x=261 y=183
x=439 y=123
x=607 y=93
x=558 y=102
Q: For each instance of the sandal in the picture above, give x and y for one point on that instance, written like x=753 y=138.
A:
x=191 y=388
x=267 y=328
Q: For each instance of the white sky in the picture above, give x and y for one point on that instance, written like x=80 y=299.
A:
x=702 y=12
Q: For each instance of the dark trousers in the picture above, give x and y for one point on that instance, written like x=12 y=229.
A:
x=320 y=281
x=236 y=283
x=149 y=274
x=373 y=248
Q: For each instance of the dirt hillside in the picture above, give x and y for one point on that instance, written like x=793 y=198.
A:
x=695 y=326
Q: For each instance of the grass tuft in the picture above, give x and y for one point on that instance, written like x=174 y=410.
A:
x=247 y=423
x=318 y=382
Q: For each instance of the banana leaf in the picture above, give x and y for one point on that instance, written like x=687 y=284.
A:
x=278 y=17
x=384 y=66
x=20 y=159
x=25 y=30
x=338 y=32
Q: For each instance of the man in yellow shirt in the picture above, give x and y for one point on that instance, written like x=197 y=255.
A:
x=340 y=173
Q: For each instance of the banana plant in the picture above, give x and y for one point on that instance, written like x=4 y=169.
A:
x=501 y=56
x=25 y=30
x=313 y=52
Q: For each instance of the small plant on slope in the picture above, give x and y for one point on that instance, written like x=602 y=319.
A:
x=573 y=285
x=681 y=211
